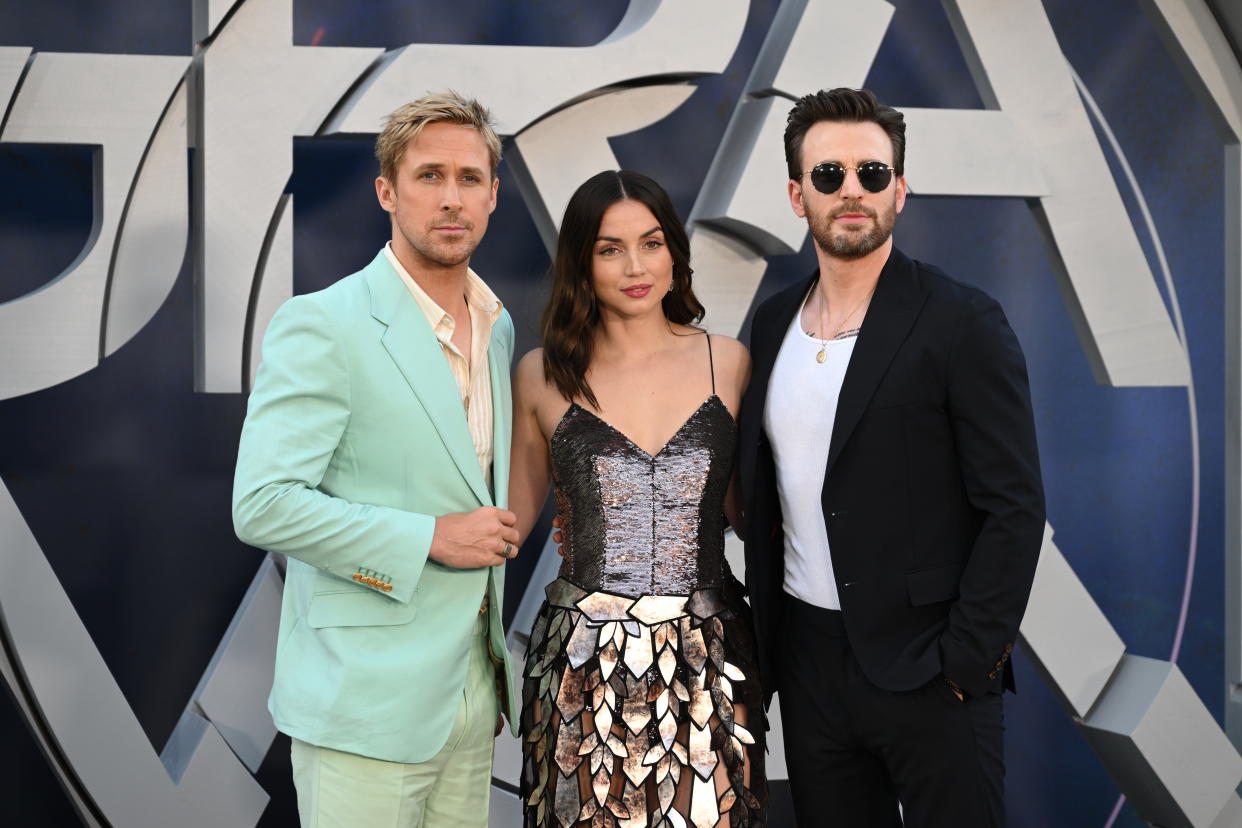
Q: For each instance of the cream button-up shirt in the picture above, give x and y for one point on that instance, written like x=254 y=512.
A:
x=473 y=376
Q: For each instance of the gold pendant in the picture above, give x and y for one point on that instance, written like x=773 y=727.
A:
x=821 y=356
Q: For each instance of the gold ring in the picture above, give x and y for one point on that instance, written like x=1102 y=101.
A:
x=508 y=546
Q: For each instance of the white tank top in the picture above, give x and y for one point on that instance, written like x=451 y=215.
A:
x=798 y=417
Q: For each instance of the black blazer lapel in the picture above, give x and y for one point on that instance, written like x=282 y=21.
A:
x=767 y=332
x=896 y=304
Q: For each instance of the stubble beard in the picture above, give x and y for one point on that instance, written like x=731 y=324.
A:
x=850 y=245
x=442 y=254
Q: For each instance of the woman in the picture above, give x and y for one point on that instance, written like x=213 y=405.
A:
x=641 y=699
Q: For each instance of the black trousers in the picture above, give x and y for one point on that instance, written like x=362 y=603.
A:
x=855 y=751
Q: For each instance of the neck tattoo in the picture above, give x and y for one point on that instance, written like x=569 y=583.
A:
x=842 y=333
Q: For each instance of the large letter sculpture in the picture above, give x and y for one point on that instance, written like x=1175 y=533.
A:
x=250 y=91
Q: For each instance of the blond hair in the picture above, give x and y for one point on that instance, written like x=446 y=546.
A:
x=403 y=126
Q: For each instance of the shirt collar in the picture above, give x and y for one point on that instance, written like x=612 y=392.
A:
x=478 y=295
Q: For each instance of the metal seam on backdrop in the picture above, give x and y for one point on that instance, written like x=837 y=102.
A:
x=120 y=223
x=17 y=88
x=1175 y=310
x=43 y=733
x=256 y=288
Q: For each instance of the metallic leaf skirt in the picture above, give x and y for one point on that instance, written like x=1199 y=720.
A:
x=642 y=711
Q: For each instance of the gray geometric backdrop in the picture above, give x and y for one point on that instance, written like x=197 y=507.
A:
x=174 y=171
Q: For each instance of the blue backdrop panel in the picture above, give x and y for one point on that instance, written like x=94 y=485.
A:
x=124 y=473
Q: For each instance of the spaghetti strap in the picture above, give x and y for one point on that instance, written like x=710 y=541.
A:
x=710 y=361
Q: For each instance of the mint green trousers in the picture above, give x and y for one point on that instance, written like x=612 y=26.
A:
x=344 y=790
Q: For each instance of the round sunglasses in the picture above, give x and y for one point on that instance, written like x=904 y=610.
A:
x=828 y=177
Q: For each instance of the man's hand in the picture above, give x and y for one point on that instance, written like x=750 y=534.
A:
x=471 y=540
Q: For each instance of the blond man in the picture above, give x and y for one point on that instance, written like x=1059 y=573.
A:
x=375 y=454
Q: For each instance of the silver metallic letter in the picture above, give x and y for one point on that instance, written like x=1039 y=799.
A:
x=113 y=101
x=258 y=91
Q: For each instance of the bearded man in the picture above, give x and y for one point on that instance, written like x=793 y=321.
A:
x=894 y=504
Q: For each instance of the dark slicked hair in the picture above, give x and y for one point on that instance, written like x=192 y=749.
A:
x=571 y=318
x=842 y=105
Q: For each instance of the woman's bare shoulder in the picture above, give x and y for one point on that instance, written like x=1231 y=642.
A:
x=533 y=385
x=531 y=363
x=731 y=360
x=529 y=380
x=729 y=348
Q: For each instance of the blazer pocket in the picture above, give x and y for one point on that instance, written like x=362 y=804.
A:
x=931 y=586
x=358 y=608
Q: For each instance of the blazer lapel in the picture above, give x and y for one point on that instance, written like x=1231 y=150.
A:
x=765 y=344
x=502 y=417
x=894 y=307
x=413 y=346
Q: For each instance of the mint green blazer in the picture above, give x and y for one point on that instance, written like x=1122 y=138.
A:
x=354 y=441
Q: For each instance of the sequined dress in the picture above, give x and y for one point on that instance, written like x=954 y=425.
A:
x=643 y=650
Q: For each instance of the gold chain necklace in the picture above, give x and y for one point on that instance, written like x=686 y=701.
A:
x=840 y=334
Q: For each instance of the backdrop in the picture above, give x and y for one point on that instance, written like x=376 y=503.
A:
x=123 y=473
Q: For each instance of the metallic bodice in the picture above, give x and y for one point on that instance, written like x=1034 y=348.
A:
x=640 y=524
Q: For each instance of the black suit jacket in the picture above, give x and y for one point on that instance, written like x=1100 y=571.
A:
x=932 y=494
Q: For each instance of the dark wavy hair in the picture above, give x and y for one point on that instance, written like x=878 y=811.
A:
x=572 y=315
x=842 y=105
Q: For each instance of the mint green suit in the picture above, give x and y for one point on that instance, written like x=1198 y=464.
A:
x=355 y=440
